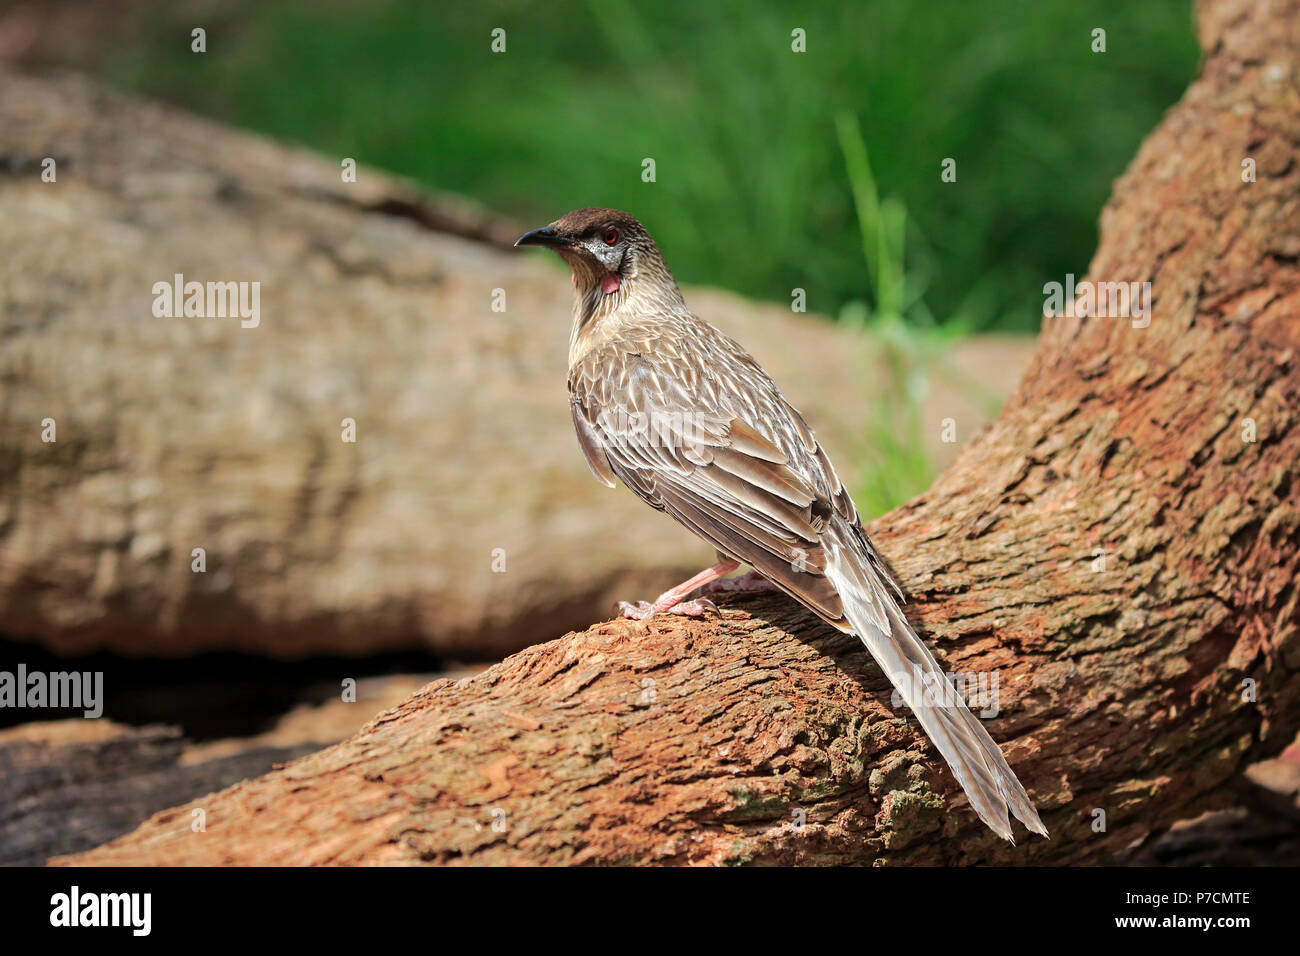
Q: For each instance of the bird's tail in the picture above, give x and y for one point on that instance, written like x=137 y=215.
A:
x=975 y=759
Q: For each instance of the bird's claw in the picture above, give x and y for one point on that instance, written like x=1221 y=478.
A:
x=644 y=609
x=636 y=612
x=697 y=608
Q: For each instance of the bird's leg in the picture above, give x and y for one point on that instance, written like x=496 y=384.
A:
x=753 y=581
x=672 y=601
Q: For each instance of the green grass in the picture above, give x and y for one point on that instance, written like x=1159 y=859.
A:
x=752 y=192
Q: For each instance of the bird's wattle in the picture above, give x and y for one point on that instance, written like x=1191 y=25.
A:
x=609 y=283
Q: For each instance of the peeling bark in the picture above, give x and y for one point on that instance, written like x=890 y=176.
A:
x=1123 y=688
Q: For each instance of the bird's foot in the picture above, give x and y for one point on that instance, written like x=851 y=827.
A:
x=752 y=581
x=644 y=609
x=674 y=601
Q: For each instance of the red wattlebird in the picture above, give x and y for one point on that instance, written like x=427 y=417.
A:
x=685 y=418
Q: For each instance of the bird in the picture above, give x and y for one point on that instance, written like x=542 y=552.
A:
x=684 y=417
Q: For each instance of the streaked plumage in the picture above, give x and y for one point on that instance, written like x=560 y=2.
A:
x=684 y=417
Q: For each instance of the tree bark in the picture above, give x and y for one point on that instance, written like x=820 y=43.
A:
x=1114 y=549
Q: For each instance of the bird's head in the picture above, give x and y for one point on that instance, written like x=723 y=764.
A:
x=610 y=253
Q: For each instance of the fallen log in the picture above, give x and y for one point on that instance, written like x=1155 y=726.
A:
x=71 y=785
x=1119 y=550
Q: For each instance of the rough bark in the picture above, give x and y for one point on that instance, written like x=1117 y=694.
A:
x=1121 y=686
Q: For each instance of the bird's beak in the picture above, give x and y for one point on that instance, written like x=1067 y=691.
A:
x=545 y=236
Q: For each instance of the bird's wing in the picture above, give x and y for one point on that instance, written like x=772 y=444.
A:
x=748 y=477
x=590 y=443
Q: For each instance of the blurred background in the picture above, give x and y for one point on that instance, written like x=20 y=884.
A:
x=769 y=172
x=774 y=170
x=818 y=171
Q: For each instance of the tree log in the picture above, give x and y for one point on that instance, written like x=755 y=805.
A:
x=1115 y=549
x=71 y=785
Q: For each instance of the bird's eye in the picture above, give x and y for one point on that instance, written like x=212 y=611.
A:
x=610 y=237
